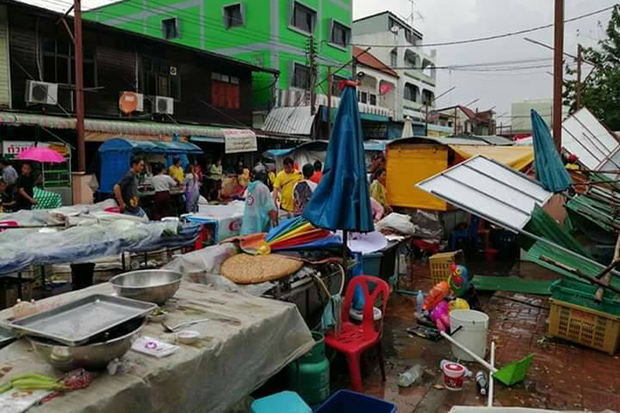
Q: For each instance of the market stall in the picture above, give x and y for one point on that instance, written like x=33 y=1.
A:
x=245 y=341
x=114 y=156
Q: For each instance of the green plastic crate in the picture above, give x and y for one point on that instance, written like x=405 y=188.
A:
x=581 y=294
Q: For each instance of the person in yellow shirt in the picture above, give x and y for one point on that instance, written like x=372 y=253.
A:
x=377 y=189
x=176 y=171
x=283 y=187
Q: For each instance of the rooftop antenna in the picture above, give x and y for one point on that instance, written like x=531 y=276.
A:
x=414 y=14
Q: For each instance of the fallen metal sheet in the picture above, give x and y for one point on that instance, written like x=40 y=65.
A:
x=490 y=190
x=585 y=136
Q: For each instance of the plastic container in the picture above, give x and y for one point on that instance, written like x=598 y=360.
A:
x=285 y=402
x=372 y=264
x=409 y=377
x=453 y=376
x=585 y=326
x=440 y=264
x=419 y=302
x=346 y=401
x=581 y=294
x=309 y=375
x=472 y=335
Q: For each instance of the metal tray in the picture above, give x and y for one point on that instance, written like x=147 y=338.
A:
x=75 y=323
x=6 y=336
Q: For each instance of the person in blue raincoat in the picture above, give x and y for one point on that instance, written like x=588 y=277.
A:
x=260 y=213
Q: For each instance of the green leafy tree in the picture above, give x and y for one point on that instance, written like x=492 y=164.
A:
x=600 y=90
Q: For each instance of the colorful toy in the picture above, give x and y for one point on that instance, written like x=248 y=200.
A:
x=459 y=280
x=436 y=295
x=441 y=316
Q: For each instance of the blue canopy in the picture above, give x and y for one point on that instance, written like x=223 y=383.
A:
x=342 y=200
x=114 y=156
x=550 y=171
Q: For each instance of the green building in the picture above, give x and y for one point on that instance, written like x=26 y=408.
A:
x=266 y=33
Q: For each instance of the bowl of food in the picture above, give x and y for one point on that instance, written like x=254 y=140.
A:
x=154 y=286
x=93 y=355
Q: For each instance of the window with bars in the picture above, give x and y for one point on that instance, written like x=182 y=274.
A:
x=161 y=78
x=170 y=28
x=303 y=18
x=340 y=34
x=412 y=92
x=394 y=58
x=372 y=100
x=301 y=77
x=233 y=15
x=58 y=57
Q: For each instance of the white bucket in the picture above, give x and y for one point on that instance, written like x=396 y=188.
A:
x=472 y=335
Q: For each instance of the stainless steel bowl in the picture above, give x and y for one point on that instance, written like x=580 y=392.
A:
x=154 y=286
x=91 y=356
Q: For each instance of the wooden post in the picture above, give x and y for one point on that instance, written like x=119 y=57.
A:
x=578 y=89
x=329 y=102
x=606 y=275
x=79 y=86
x=558 y=73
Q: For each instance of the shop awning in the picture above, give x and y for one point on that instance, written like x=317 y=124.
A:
x=290 y=121
x=114 y=127
x=115 y=145
x=517 y=157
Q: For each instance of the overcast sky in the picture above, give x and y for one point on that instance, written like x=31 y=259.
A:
x=447 y=20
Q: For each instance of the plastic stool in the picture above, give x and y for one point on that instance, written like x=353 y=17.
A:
x=283 y=402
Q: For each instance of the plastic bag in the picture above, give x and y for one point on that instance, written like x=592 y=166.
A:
x=397 y=222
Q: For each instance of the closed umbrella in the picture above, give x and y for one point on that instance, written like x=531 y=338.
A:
x=342 y=200
x=407 y=128
x=550 y=170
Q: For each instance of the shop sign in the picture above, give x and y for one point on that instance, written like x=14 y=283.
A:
x=10 y=149
x=239 y=140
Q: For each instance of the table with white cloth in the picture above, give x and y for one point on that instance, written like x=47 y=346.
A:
x=246 y=341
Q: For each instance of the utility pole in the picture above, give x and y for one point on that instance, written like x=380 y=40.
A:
x=578 y=91
x=558 y=73
x=312 y=77
x=79 y=85
x=329 y=101
x=426 y=119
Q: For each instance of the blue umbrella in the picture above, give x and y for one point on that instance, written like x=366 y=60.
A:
x=550 y=171
x=342 y=200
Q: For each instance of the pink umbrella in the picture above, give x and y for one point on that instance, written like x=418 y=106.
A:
x=41 y=154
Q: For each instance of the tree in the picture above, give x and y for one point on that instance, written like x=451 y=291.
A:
x=600 y=90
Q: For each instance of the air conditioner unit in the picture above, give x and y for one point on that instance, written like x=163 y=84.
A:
x=164 y=105
x=140 y=106
x=41 y=92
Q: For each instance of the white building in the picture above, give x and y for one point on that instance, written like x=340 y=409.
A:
x=415 y=67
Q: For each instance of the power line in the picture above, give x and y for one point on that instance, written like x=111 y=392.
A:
x=493 y=37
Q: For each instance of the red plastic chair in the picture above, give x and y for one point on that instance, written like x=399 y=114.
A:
x=354 y=339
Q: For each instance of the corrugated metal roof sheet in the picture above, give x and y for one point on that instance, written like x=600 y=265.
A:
x=291 y=120
x=111 y=126
x=490 y=190
x=585 y=136
x=494 y=140
x=438 y=139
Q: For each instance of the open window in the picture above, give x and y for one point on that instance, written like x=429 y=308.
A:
x=340 y=34
x=412 y=92
x=170 y=28
x=233 y=15
x=301 y=77
x=303 y=18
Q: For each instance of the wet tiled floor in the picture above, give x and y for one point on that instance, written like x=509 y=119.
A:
x=563 y=376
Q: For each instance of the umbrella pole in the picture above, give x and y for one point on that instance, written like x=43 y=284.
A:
x=345 y=236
